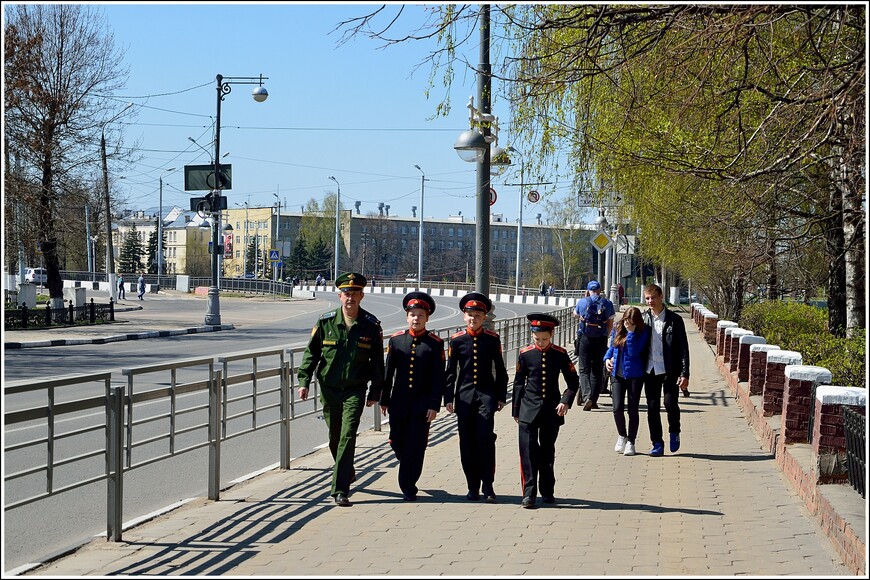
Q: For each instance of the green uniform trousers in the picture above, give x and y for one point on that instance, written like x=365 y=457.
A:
x=342 y=410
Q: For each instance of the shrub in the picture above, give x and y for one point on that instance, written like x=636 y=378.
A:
x=803 y=328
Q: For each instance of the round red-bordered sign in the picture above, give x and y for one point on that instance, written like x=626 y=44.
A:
x=492 y=196
x=534 y=196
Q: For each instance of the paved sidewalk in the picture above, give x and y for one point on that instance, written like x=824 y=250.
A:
x=717 y=507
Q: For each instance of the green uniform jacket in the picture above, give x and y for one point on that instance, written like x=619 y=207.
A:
x=345 y=358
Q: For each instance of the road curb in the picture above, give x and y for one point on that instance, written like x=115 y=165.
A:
x=118 y=337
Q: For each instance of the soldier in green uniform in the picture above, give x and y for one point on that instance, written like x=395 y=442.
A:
x=346 y=351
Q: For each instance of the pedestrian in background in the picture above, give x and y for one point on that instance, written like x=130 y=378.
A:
x=346 y=353
x=476 y=388
x=596 y=315
x=412 y=390
x=626 y=362
x=141 y=285
x=667 y=369
x=539 y=407
x=122 y=292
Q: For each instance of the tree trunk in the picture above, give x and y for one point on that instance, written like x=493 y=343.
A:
x=850 y=183
x=833 y=233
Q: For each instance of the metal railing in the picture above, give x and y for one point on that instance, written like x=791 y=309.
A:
x=169 y=409
x=91 y=313
x=855 y=425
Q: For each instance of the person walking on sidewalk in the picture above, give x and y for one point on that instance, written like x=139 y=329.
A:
x=539 y=407
x=122 y=292
x=476 y=388
x=667 y=369
x=626 y=361
x=596 y=315
x=412 y=389
x=141 y=286
x=346 y=353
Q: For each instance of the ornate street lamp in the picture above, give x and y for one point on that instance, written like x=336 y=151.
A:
x=224 y=87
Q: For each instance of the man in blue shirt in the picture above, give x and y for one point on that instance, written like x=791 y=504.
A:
x=596 y=315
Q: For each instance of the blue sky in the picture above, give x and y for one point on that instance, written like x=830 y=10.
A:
x=358 y=111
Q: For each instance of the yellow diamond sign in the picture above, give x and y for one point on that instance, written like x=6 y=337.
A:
x=601 y=241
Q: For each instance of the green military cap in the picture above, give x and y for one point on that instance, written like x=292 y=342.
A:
x=350 y=281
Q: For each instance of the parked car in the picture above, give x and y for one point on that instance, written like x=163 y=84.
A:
x=36 y=276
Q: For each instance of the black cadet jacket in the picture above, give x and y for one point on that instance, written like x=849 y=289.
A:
x=414 y=373
x=475 y=371
x=536 y=384
x=675 y=345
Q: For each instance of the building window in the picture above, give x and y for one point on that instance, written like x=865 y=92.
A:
x=450 y=232
x=404 y=230
x=458 y=245
x=459 y=232
x=450 y=245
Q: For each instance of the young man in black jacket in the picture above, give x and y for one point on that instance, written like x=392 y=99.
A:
x=667 y=369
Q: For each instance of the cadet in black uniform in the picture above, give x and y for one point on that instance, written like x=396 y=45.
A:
x=477 y=382
x=539 y=407
x=412 y=389
x=346 y=350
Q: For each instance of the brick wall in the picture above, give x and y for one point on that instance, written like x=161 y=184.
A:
x=734 y=346
x=758 y=366
x=745 y=342
x=797 y=400
x=774 y=379
x=710 y=321
x=829 y=437
x=720 y=335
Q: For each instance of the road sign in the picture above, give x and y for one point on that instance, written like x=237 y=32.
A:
x=492 y=196
x=273 y=256
x=601 y=241
x=534 y=196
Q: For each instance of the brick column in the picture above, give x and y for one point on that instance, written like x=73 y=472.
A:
x=829 y=437
x=797 y=400
x=726 y=347
x=694 y=309
x=774 y=379
x=734 y=346
x=744 y=343
x=698 y=319
x=758 y=366
x=710 y=320
x=720 y=335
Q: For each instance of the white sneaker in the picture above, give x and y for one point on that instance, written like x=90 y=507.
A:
x=620 y=444
x=629 y=448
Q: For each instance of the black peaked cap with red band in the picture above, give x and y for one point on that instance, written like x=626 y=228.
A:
x=475 y=301
x=539 y=321
x=418 y=300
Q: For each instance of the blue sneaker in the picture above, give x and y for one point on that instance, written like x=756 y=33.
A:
x=658 y=449
x=675 y=442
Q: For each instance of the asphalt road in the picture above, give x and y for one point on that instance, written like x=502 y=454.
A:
x=36 y=530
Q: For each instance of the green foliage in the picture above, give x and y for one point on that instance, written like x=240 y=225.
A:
x=802 y=328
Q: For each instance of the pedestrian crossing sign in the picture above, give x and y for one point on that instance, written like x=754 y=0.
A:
x=273 y=256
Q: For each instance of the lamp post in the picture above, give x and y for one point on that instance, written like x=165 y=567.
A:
x=224 y=87
x=277 y=228
x=110 y=251
x=160 y=230
x=473 y=145
x=337 y=222
x=420 y=231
